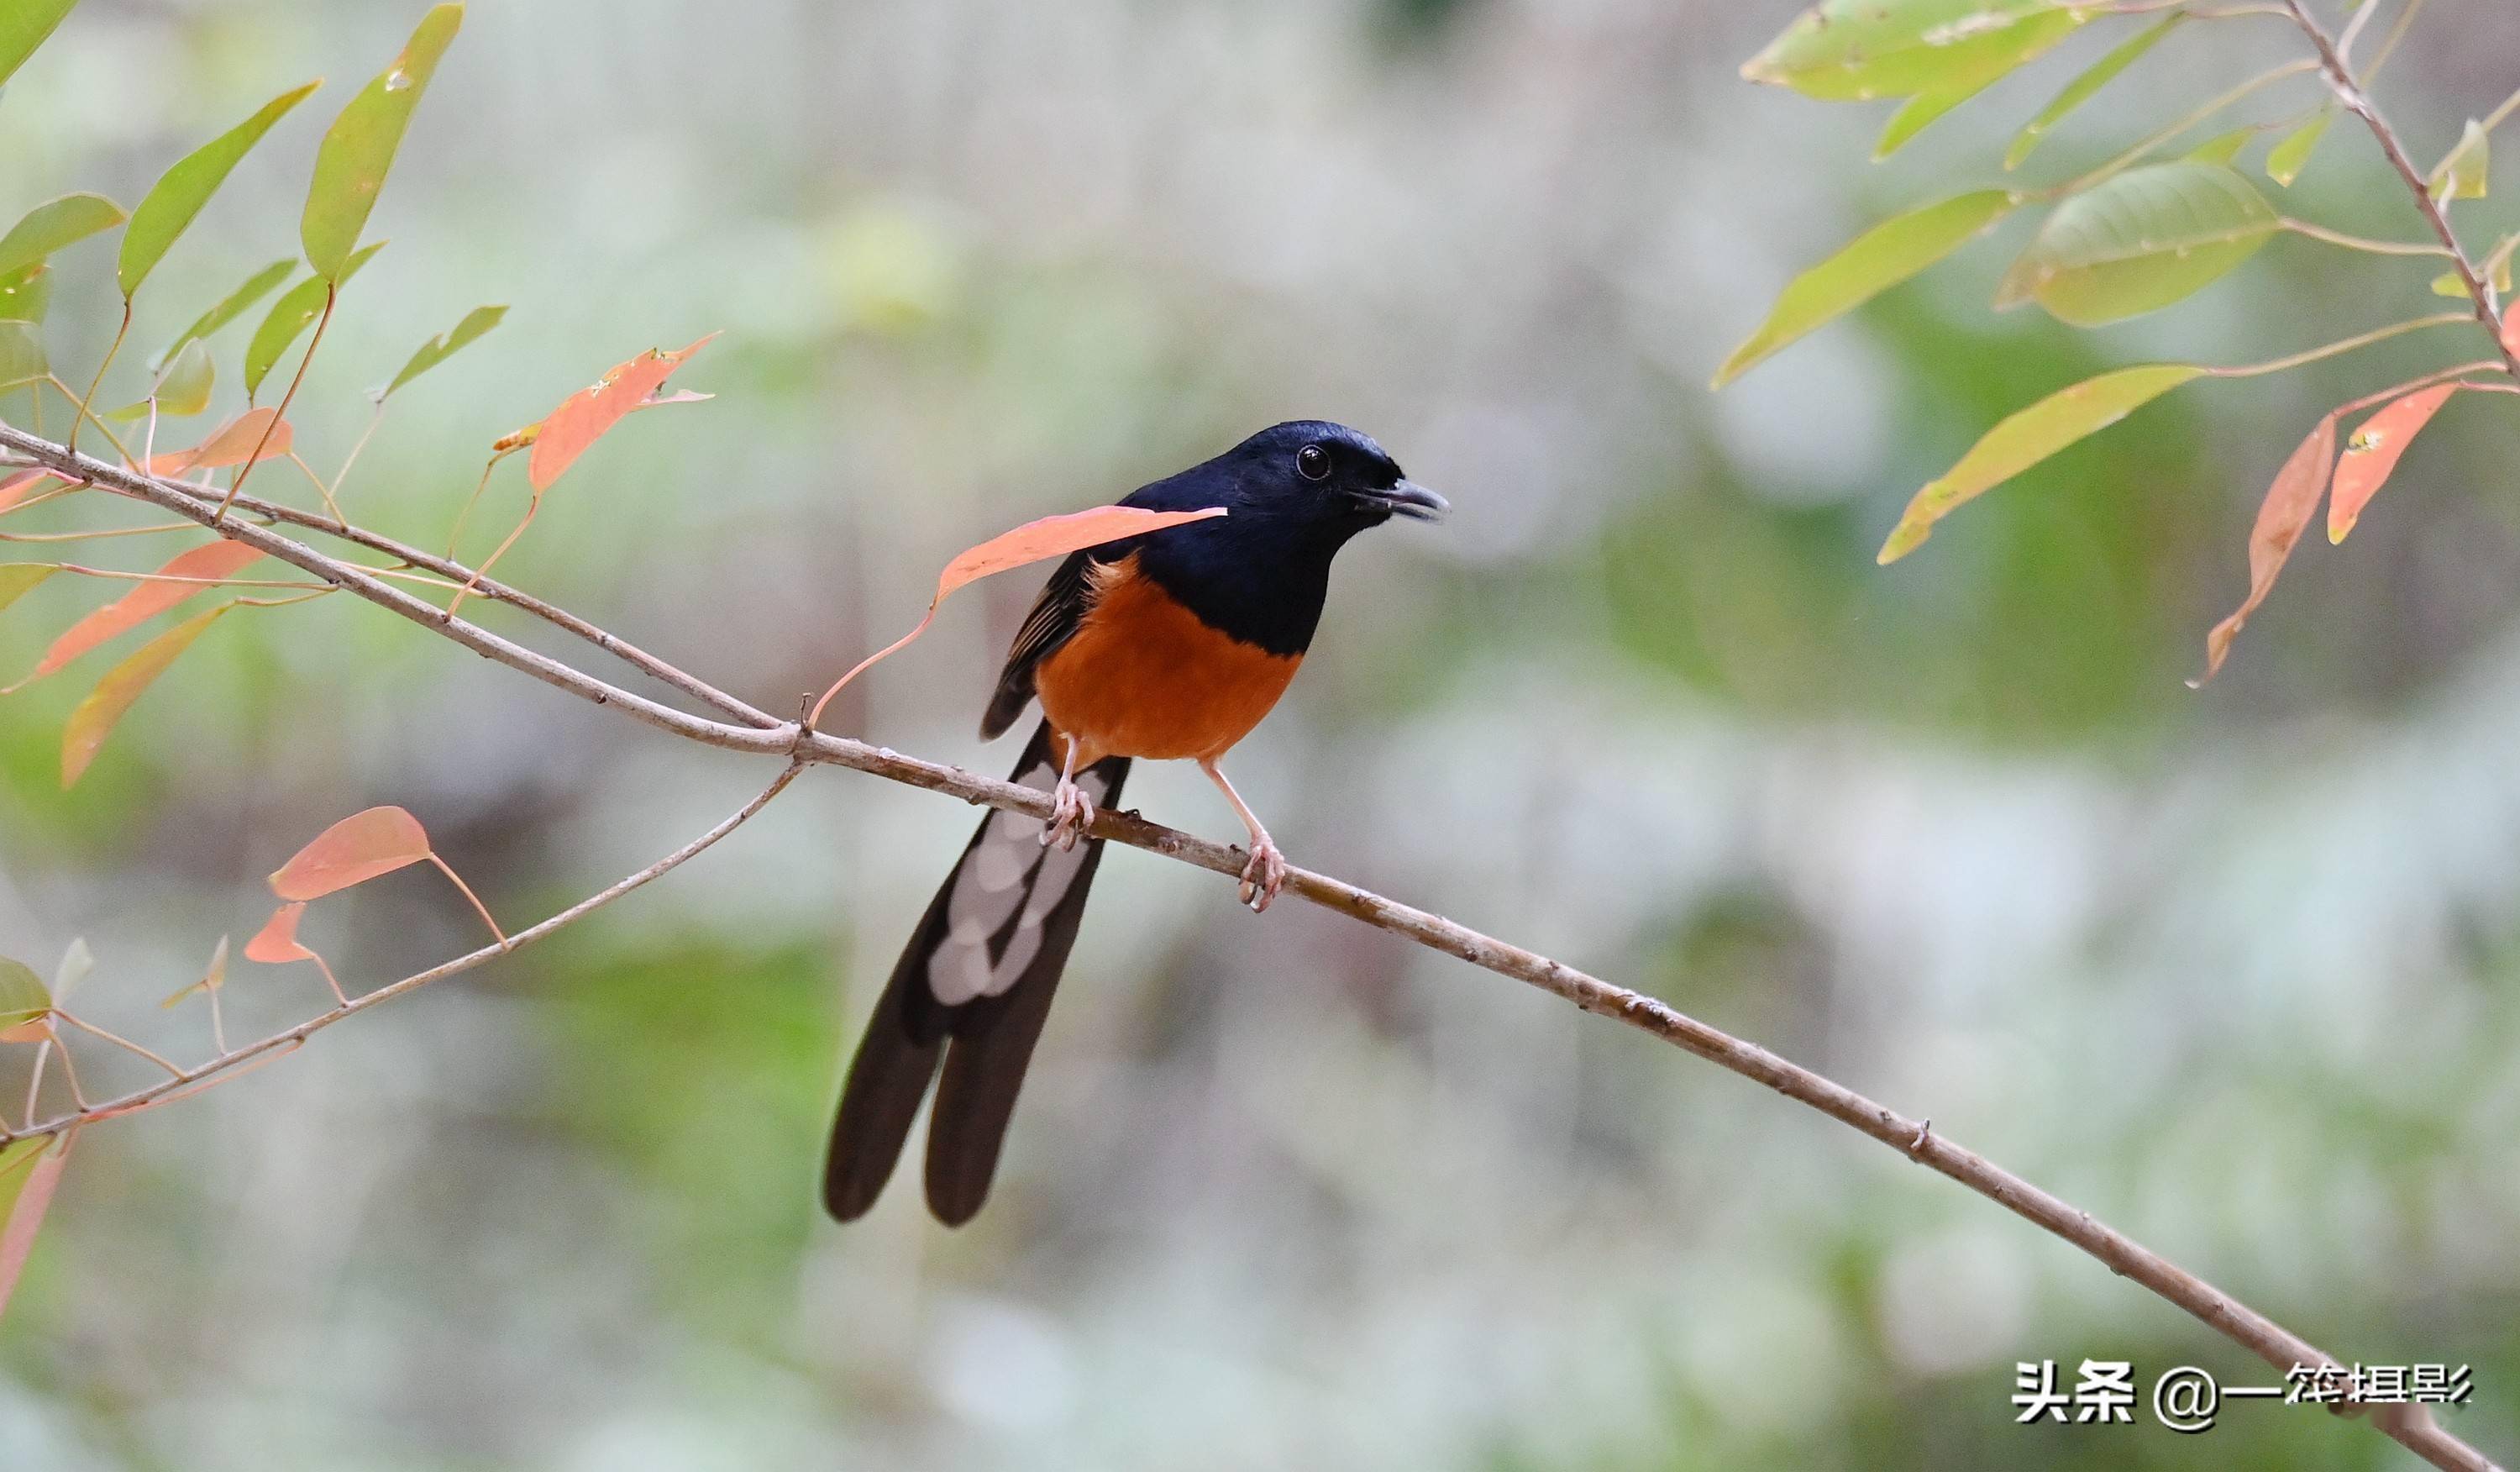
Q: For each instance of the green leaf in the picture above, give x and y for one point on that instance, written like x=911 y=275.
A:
x=23 y=24
x=1855 y=50
x=2139 y=242
x=22 y=998
x=2286 y=160
x=1872 y=264
x=19 y=578
x=445 y=344
x=2496 y=268
x=1918 y=113
x=233 y=306
x=2222 y=148
x=183 y=389
x=2030 y=435
x=53 y=224
x=22 y=354
x=2462 y=173
x=2081 y=89
x=350 y=167
x=288 y=316
x=26 y=293
x=180 y=193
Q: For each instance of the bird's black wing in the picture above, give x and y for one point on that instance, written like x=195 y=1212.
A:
x=1055 y=615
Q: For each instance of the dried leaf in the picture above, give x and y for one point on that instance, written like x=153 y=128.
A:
x=2286 y=510
x=19 y=488
x=95 y=717
x=586 y=415
x=29 y=1193
x=220 y=559
x=276 y=942
x=2372 y=454
x=1031 y=542
x=353 y=850
x=230 y=444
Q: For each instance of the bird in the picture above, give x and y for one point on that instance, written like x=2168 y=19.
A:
x=1169 y=645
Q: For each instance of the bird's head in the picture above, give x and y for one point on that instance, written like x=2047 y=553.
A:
x=1323 y=477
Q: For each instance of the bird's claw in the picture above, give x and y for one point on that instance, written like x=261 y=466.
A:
x=1264 y=875
x=1071 y=814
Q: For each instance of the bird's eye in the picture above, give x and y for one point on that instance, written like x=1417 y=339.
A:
x=1313 y=463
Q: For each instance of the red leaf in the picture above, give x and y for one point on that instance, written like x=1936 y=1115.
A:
x=2373 y=452
x=353 y=850
x=19 y=488
x=216 y=560
x=276 y=943
x=1033 y=541
x=229 y=445
x=27 y=1212
x=2281 y=516
x=94 y=719
x=586 y=415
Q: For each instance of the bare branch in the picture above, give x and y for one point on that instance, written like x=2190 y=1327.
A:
x=798 y=743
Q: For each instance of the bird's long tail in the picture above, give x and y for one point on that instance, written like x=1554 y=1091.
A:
x=973 y=984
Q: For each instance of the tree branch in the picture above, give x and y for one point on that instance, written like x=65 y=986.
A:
x=2410 y=1425
x=2349 y=92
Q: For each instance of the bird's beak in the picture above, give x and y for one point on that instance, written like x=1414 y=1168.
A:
x=1409 y=499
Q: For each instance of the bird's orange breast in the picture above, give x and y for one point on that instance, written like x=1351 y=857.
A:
x=1142 y=676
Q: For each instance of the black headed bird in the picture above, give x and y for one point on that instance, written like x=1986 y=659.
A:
x=1170 y=645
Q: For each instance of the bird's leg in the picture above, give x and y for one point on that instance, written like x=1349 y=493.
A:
x=1073 y=812
x=1266 y=874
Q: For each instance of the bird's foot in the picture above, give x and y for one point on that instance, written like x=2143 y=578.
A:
x=1265 y=874
x=1071 y=814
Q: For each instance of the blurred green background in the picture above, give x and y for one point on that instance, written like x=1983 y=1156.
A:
x=2238 y=971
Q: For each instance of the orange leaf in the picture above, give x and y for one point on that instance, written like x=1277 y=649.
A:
x=220 y=559
x=2286 y=510
x=276 y=942
x=2511 y=331
x=230 y=445
x=586 y=415
x=1033 y=541
x=2373 y=452
x=95 y=716
x=26 y=1213
x=18 y=487
x=353 y=850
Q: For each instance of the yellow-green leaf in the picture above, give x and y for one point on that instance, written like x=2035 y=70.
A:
x=1853 y=50
x=95 y=717
x=2081 y=88
x=2139 y=242
x=445 y=344
x=2496 y=267
x=359 y=148
x=233 y=306
x=2030 y=435
x=2461 y=172
x=183 y=387
x=2222 y=148
x=22 y=354
x=23 y=24
x=2286 y=160
x=1919 y=112
x=23 y=1002
x=53 y=224
x=76 y=962
x=288 y=316
x=1872 y=264
x=26 y=293
x=19 y=578
x=180 y=193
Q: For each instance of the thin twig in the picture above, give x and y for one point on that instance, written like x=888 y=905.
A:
x=2357 y=100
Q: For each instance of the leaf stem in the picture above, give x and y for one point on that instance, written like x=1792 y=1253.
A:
x=2358 y=242
x=447 y=869
x=97 y=382
x=331 y=294
x=2342 y=345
